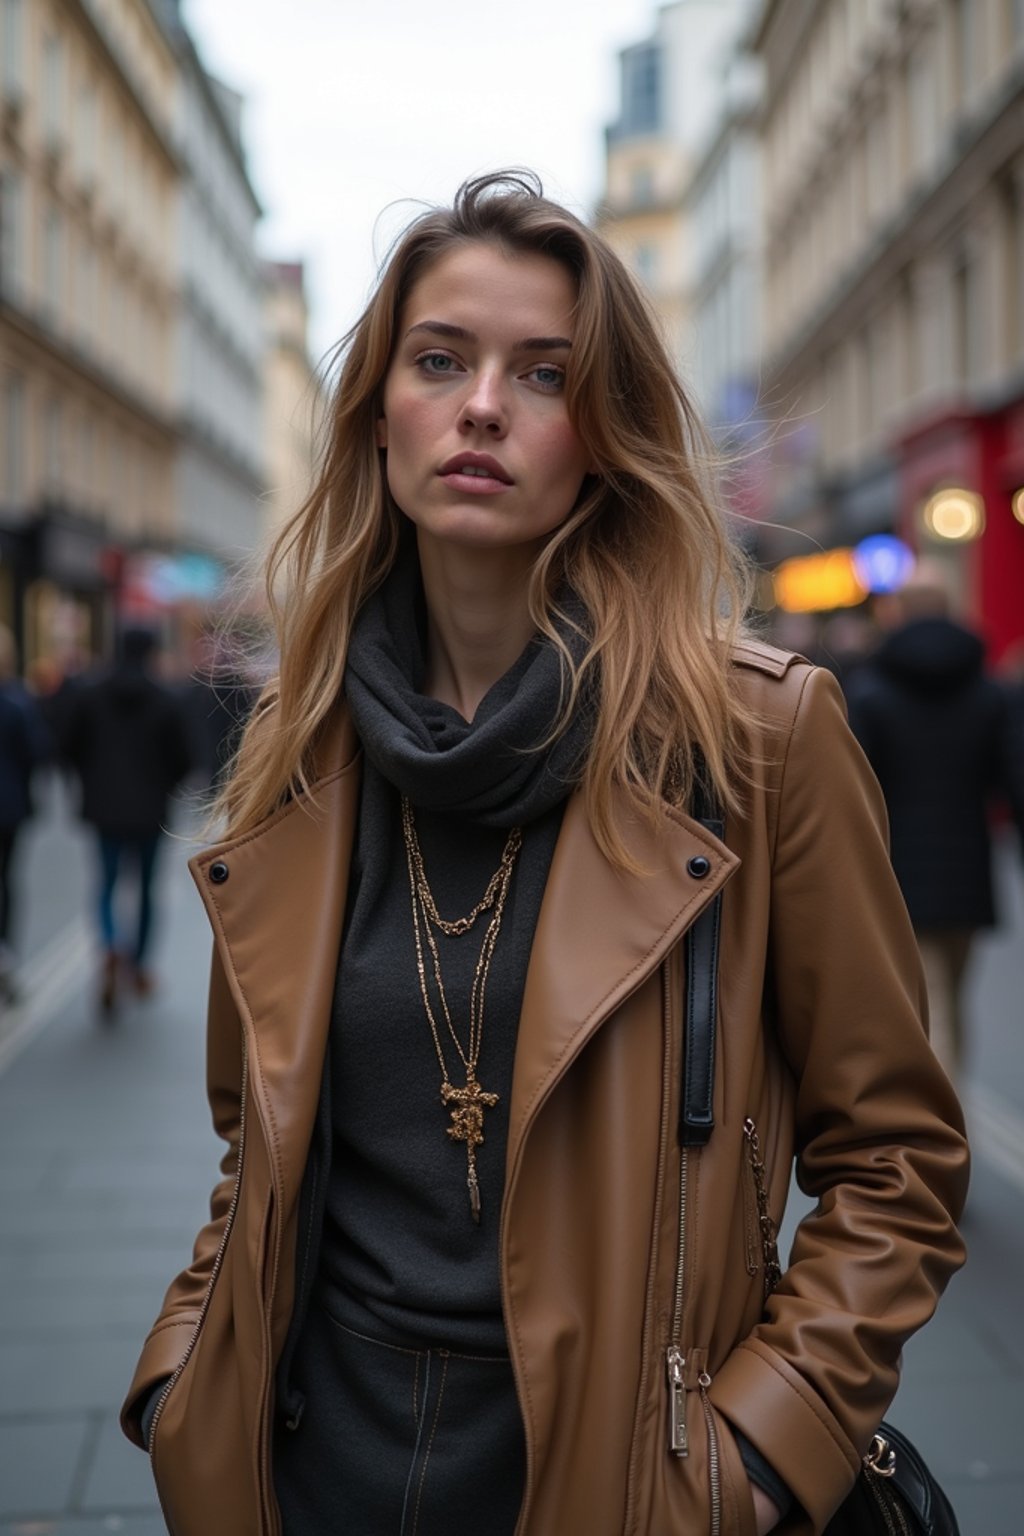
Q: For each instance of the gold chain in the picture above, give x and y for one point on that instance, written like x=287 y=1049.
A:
x=465 y=1105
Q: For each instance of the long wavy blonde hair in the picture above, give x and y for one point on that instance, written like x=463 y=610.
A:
x=644 y=548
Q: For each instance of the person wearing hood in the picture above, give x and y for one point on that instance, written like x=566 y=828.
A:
x=128 y=744
x=937 y=732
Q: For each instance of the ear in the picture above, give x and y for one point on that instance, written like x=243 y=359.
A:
x=382 y=432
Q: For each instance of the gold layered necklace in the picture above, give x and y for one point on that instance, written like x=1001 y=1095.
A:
x=465 y=1105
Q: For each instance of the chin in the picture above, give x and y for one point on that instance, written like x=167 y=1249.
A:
x=473 y=530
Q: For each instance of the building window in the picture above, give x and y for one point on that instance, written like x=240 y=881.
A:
x=86 y=469
x=87 y=120
x=1017 y=273
x=965 y=49
x=52 y=259
x=646 y=263
x=53 y=445
x=13 y=455
x=878 y=162
x=966 y=321
x=89 y=287
x=917 y=333
x=641 y=89
x=52 y=84
x=641 y=186
x=10 y=232
x=922 y=108
x=12 y=74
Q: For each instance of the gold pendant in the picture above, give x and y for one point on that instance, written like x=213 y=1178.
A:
x=467 y=1112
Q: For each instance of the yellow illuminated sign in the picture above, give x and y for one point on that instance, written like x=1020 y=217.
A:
x=814 y=583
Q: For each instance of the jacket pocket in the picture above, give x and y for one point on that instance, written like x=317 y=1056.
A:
x=209 y=1444
x=735 y=1497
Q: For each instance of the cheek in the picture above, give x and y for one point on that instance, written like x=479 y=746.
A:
x=564 y=455
x=410 y=427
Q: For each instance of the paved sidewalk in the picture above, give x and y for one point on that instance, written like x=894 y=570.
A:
x=106 y=1159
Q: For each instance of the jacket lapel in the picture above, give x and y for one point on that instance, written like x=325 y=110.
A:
x=600 y=934
x=277 y=918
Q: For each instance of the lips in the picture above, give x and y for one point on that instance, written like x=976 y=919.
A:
x=475 y=466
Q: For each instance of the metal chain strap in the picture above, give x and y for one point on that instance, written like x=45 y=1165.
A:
x=769 y=1243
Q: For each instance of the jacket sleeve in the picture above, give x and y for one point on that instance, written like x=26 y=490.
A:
x=171 y=1334
x=879 y=1133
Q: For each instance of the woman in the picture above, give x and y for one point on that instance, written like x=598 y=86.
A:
x=461 y=1271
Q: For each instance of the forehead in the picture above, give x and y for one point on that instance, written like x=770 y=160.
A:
x=480 y=287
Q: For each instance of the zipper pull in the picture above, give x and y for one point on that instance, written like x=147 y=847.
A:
x=675 y=1364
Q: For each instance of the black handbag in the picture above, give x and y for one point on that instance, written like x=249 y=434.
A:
x=895 y=1493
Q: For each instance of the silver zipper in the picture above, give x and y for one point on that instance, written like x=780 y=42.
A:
x=676 y=1367
x=714 y=1466
x=218 y=1258
x=675 y=1363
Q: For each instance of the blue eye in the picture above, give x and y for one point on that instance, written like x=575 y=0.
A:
x=548 y=376
x=435 y=362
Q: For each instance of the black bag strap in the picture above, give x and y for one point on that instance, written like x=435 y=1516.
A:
x=696 y=1103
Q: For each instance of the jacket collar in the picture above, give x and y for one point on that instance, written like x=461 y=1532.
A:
x=277 y=921
x=599 y=935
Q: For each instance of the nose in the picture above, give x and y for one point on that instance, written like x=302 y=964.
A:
x=484 y=407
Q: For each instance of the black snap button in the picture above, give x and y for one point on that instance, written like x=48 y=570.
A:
x=698 y=867
x=218 y=872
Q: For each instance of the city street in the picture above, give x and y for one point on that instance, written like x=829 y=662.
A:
x=106 y=1158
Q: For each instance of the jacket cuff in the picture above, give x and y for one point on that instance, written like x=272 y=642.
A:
x=784 y=1418
x=160 y=1357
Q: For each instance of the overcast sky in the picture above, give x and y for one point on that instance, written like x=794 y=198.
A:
x=354 y=104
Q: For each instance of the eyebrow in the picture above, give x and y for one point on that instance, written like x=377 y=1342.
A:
x=459 y=333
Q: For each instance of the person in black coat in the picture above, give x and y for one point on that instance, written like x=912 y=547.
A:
x=17 y=760
x=937 y=732
x=127 y=741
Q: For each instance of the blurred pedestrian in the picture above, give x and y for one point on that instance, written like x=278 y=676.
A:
x=17 y=760
x=13 y=687
x=481 y=1258
x=56 y=680
x=127 y=742
x=23 y=745
x=938 y=733
x=217 y=699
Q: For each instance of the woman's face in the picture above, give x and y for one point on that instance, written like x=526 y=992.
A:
x=480 y=448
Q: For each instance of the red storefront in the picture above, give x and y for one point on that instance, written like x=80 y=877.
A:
x=983 y=454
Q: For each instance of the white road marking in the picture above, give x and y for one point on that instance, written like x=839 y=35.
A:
x=47 y=981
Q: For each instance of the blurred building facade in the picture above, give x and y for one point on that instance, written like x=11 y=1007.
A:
x=295 y=395
x=89 y=178
x=134 y=349
x=893 y=315
x=668 y=98
x=723 y=198
x=220 y=469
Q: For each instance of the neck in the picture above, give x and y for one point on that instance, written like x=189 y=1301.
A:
x=478 y=620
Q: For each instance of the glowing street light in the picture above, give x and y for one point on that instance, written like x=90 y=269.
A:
x=954 y=514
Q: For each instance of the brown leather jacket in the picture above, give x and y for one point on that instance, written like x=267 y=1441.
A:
x=616 y=1248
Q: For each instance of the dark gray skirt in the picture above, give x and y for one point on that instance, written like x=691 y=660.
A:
x=397 y=1441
